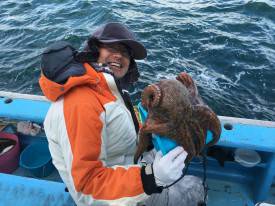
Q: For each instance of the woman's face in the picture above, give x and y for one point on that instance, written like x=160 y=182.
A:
x=116 y=56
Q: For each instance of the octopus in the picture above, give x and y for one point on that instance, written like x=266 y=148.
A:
x=176 y=110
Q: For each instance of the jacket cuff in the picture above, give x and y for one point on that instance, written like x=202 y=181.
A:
x=148 y=180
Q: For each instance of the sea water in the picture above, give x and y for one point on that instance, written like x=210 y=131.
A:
x=228 y=47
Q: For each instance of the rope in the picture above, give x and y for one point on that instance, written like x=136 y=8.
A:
x=184 y=171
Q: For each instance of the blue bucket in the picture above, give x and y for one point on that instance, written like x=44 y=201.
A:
x=37 y=159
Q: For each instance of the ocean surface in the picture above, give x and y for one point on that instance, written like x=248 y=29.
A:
x=228 y=47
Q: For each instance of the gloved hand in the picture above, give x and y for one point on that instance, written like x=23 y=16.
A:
x=167 y=169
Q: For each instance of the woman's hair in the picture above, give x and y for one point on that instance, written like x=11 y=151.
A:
x=132 y=74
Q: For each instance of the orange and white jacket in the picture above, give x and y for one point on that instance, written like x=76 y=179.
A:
x=92 y=140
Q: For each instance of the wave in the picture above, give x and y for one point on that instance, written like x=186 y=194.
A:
x=227 y=46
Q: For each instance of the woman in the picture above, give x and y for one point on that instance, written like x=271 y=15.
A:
x=91 y=126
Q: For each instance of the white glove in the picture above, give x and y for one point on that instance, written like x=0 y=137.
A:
x=167 y=169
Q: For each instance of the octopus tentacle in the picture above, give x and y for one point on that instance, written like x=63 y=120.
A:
x=198 y=136
x=144 y=141
x=157 y=128
x=185 y=79
x=215 y=128
x=209 y=120
x=151 y=96
x=187 y=142
x=189 y=83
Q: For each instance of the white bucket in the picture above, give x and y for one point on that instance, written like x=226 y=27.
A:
x=247 y=158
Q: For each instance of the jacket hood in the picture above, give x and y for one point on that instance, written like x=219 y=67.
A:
x=53 y=90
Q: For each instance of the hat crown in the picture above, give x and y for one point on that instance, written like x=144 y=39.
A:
x=118 y=33
x=113 y=31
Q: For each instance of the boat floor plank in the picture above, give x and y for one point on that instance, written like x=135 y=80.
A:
x=232 y=194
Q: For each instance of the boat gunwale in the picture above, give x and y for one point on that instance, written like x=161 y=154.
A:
x=224 y=119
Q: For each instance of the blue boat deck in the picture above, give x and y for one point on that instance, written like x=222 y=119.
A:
x=230 y=193
x=18 y=190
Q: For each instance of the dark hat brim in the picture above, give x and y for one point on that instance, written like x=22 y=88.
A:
x=139 y=51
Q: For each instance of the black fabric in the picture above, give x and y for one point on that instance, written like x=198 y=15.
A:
x=131 y=76
x=149 y=183
x=58 y=62
x=220 y=154
x=86 y=56
x=127 y=100
x=117 y=33
x=150 y=145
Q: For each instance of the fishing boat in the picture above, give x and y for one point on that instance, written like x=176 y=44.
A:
x=240 y=169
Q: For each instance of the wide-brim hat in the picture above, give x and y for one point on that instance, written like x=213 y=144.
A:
x=117 y=33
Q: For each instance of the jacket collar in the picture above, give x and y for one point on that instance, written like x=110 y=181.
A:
x=53 y=90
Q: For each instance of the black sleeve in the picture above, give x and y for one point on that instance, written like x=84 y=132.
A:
x=148 y=180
